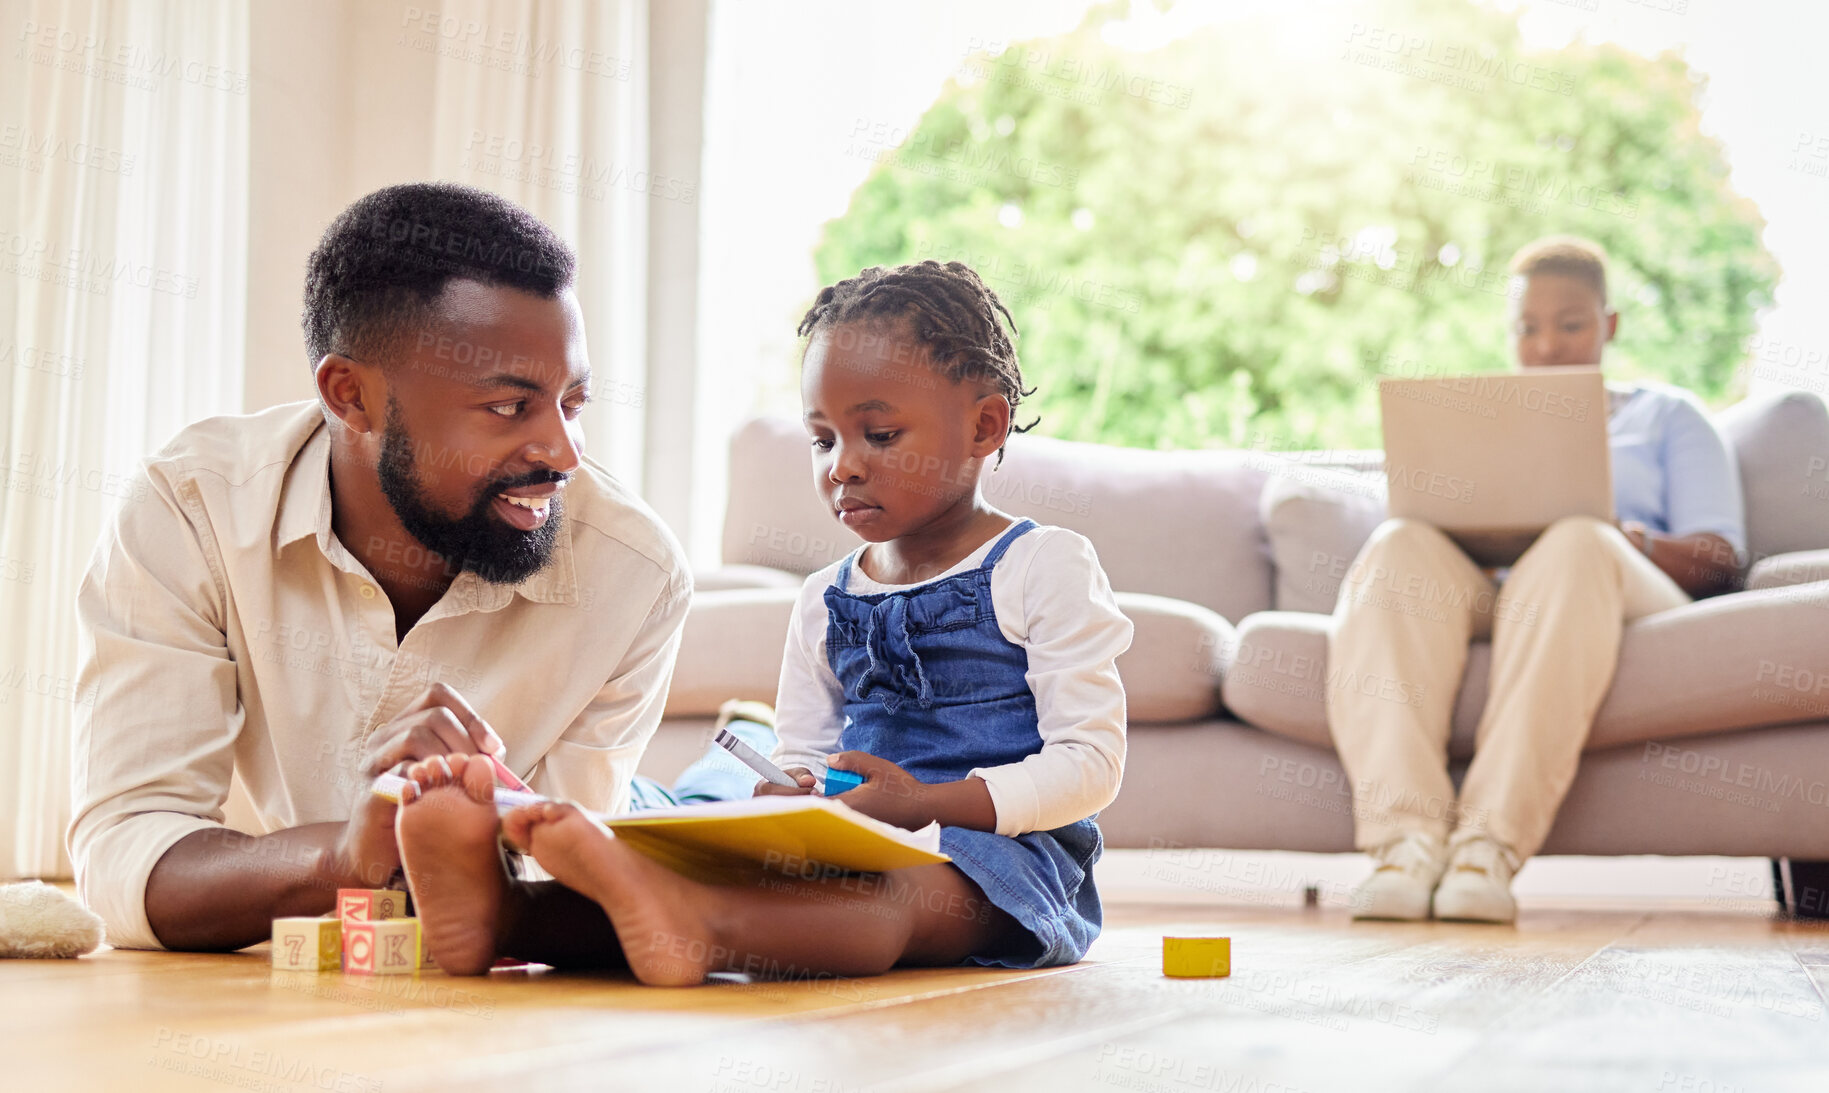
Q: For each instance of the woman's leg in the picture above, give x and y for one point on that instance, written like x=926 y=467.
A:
x=1410 y=604
x=1556 y=635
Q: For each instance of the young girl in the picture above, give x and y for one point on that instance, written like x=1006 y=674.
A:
x=962 y=661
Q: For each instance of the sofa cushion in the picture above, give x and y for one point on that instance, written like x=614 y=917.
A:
x=1173 y=668
x=1784 y=570
x=1316 y=520
x=730 y=647
x=1277 y=682
x=1177 y=524
x=773 y=518
x=733 y=640
x=1733 y=662
x=1782 y=445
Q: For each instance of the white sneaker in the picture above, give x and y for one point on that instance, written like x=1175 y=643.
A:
x=1477 y=885
x=1399 y=888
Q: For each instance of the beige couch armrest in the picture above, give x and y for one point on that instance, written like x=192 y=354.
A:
x=1784 y=570
x=730 y=648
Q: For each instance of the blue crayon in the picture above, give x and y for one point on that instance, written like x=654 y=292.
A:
x=838 y=781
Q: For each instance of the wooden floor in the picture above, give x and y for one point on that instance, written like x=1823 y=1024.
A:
x=1692 y=998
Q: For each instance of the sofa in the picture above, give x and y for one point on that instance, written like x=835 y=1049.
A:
x=1713 y=739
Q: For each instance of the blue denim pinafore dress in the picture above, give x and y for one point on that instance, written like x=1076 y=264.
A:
x=932 y=685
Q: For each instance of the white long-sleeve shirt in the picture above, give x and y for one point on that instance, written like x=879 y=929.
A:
x=1052 y=598
x=226 y=629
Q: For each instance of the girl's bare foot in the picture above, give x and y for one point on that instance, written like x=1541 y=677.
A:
x=665 y=922
x=447 y=831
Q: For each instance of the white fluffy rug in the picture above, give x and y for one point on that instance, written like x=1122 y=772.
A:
x=37 y=920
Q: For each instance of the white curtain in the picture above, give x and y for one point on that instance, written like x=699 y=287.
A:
x=127 y=172
x=123 y=151
x=547 y=105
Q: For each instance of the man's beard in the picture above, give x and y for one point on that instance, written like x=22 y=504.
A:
x=478 y=541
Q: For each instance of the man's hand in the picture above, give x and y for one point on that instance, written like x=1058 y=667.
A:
x=802 y=775
x=437 y=723
x=1701 y=563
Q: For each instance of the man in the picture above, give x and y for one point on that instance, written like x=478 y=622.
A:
x=1555 y=626
x=421 y=561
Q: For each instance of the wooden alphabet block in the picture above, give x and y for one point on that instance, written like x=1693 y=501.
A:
x=384 y=947
x=425 y=951
x=307 y=944
x=370 y=904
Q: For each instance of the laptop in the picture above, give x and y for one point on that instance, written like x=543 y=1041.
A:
x=1494 y=459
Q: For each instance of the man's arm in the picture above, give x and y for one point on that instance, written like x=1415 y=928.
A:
x=1702 y=564
x=154 y=751
x=217 y=889
x=1706 y=514
x=154 y=739
x=594 y=761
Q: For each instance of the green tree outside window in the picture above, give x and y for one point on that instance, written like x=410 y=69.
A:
x=1208 y=245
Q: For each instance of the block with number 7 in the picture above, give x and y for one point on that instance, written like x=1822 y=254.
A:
x=307 y=944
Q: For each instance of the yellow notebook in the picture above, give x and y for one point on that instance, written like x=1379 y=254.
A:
x=800 y=836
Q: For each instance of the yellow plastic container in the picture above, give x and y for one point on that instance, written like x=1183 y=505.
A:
x=1196 y=957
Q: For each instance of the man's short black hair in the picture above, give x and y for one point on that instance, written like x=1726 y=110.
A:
x=384 y=261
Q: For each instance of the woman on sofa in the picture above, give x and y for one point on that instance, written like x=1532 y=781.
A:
x=1555 y=626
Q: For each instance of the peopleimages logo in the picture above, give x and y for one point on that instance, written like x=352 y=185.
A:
x=1471 y=61
x=926 y=153
x=1434 y=483
x=1509 y=183
x=30 y=147
x=88 y=269
x=1534 y=399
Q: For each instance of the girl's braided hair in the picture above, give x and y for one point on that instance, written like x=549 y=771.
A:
x=947 y=309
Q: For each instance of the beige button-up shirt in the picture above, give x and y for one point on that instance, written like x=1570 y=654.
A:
x=226 y=631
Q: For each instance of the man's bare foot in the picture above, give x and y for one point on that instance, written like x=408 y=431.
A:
x=664 y=921
x=447 y=831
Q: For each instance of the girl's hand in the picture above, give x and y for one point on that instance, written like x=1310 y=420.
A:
x=889 y=793
x=766 y=788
